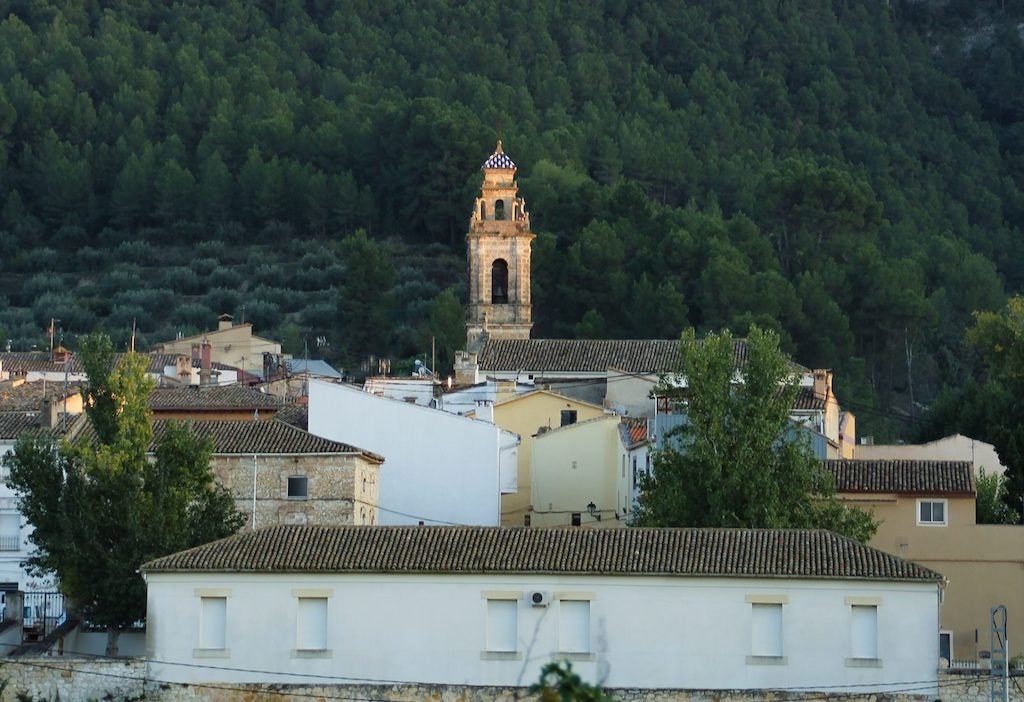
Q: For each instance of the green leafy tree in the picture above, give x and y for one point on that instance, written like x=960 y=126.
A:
x=101 y=508
x=559 y=684
x=990 y=501
x=990 y=409
x=736 y=462
x=363 y=296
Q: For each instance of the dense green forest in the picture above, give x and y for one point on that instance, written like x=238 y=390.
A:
x=850 y=174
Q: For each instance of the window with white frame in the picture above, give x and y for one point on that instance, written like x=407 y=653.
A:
x=502 y=625
x=213 y=621
x=766 y=629
x=864 y=631
x=311 y=624
x=766 y=643
x=574 y=626
x=932 y=512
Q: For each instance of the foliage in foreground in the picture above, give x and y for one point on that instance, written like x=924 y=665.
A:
x=101 y=509
x=737 y=461
x=558 y=683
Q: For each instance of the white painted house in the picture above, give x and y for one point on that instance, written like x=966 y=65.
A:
x=632 y=608
x=440 y=468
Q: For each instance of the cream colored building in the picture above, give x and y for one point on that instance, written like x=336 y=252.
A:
x=530 y=416
x=231 y=344
x=950 y=448
x=927 y=515
x=579 y=475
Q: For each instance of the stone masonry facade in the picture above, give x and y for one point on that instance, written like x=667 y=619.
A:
x=125 y=680
x=340 y=488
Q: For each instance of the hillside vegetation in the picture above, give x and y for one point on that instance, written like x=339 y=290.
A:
x=847 y=173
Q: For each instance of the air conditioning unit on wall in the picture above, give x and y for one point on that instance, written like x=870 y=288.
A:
x=539 y=598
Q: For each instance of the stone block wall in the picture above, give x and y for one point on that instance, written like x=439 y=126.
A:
x=332 y=487
x=124 y=680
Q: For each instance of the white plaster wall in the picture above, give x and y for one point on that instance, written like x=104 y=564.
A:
x=10 y=561
x=646 y=631
x=438 y=468
x=951 y=448
x=630 y=394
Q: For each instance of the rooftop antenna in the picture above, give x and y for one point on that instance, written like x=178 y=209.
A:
x=53 y=323
x=133 y=335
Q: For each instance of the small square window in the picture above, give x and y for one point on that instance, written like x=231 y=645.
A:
x=568 y=417
x=931 y=512
x=298 y=486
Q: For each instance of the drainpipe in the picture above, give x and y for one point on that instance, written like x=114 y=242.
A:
x=254 y=491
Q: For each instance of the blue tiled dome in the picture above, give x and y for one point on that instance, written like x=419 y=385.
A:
x=499 y=159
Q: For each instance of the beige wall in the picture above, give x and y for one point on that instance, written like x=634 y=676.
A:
x=234 y=346
x=983 y=564
x=525 y=415
x=343 y=488
x=574 y=466
x=951 y=448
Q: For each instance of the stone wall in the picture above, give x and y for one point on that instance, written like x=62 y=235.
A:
x=335 y=483
x=124 y=680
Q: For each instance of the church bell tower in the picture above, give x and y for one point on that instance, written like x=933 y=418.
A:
x=498 y=250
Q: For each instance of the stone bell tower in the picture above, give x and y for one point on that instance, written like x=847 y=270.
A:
x=498 y=249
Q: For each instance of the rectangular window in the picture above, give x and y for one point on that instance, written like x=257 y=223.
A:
x=213 y=622
x=574 y=626
x=10 y=532
x=946 y=645
x=864 y=631
x=502 y=621
x=298 y=486
x=311 y=624
x=766 y=630
x=568 y=417
x=931 y=512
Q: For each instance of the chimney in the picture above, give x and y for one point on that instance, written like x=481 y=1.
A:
x=206 y=363
x=224 y=321
x=60 y=355
x=49 y=414
x=822 y=383
x=183 y=366
x=195 y=354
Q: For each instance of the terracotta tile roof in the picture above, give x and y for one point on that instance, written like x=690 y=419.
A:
x=807 y=400
x=20 y=362
x=634 y=431
x=267 y=437
x=211 y=397
x=245 y=437
x=765 y=553
x=28 y=397
x=41 y=361
x=294 y=414
x=14 y=424
x=587 y=355
x=903 y=477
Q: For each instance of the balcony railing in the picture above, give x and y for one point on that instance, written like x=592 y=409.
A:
x=10 y=543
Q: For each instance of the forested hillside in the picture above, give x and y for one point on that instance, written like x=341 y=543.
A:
x=848 y=173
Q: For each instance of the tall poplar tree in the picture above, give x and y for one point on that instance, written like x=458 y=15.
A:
x=100 y=508
x=736 y=461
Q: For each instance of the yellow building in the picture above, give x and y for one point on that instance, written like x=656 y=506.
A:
x=530 y=415
x=231 y=344
x=927 y=515
x=576 y=477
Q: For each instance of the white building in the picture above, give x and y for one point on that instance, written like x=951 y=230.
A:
x=631 y=608
x=440 y=468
